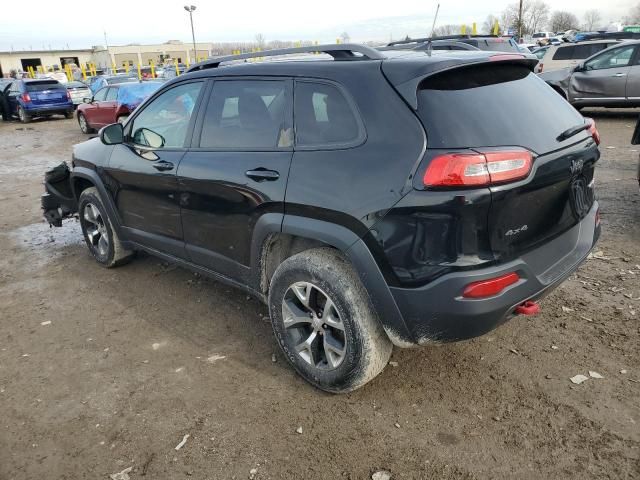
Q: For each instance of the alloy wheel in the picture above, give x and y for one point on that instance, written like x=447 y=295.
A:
x=96 y=229
x=313 y=326
x=83 y=123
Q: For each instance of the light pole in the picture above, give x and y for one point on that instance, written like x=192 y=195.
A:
x=191 y=9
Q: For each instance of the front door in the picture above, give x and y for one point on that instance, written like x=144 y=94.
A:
x=236 y=171
x=603 y=78
x=91 y=110
x=633 y=79
x=141 y=173
x=106 y=111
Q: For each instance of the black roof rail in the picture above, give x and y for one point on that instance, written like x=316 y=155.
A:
x=433 y=39
x=611 y=35
x=345 y=51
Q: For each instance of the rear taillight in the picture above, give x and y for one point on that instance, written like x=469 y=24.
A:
x=68 y=95
x=540 y=67
x=490 y=287
x=598 y=217
x=593 y=130
x=26 y=98
x=478 y=169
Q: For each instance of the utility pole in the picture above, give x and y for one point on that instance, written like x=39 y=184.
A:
x=520 y=22
x=191 y=9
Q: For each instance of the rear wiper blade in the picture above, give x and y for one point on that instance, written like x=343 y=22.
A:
x=570 y=132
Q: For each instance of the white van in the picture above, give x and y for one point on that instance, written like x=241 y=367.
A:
x=570 y=54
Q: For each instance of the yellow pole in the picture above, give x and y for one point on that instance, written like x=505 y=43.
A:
x=139 y=72
x=153 y=69
x=114 y=67
x=188 y=62
x=126 y=67
x=463 y=30
x=496 y=28
x=338 y=41
x=474 y=31
x=84 y=71
x=177 y=69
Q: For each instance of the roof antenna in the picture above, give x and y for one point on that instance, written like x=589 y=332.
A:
x=433 y=29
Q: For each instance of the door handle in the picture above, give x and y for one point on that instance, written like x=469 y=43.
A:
x=619 y=75
x=163 y=166
x=262 y=174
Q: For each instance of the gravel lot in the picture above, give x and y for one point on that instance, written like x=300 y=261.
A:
x=135 y=358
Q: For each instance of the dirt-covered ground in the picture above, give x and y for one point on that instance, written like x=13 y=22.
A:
x=135 y=358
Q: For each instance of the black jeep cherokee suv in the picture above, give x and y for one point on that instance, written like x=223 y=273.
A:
x=370 y=198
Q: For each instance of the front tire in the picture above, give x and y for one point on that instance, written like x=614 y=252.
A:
x=84 y=125
x=324 y=321
x=101 y=238
x=23 y=116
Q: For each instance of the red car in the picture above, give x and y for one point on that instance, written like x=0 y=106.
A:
x=113 y=103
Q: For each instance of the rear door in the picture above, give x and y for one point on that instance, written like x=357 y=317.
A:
x=236 y=171
x=12 y=94
x=507 y=108
x=603 y=79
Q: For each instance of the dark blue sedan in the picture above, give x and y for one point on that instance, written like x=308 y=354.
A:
x=38 y=98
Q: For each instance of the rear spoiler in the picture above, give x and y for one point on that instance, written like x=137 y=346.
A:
x=409 y=89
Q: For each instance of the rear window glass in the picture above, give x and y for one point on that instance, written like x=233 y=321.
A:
x=564 y=53
x=43 y=85
x=493 y=105
x=497 y=45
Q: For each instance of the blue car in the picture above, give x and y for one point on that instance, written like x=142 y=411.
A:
x=102 y=81
x=27 y=98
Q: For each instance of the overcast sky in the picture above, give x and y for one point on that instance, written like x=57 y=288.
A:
x=43 y=23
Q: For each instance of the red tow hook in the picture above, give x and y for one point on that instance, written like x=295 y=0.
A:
x=527 y=308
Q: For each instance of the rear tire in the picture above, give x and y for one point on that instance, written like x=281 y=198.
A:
x=325 y=323
x=23 y=116
x=101 y=238
x=68 y=114
x=84 y=126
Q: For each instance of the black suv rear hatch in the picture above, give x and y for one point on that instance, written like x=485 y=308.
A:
x=502 y=105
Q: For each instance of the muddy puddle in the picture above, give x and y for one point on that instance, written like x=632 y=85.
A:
x=45 y=243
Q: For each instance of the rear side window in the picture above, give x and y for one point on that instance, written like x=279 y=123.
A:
x=246 y=114
x=43 y=85
x=493 y=105
x=564 y=53
x=324 y=117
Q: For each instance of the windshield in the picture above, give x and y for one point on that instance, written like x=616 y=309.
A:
x=493 y=105
x=42 y=85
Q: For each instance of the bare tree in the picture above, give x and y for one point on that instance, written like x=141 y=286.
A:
x=443 y=30
x=591 y=19
x=489 y=23
x=535 y=14
x=561 y=21
x=634 y=15
x=344 y=37
x=260 y=41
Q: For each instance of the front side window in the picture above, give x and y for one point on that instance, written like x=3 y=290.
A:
x=246 y=114
x=564 y=53
x=618 y=57
x=164 y=122
x=100 y=95
x=112 y=94
x=324 y=117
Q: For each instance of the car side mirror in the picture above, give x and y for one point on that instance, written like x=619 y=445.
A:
x=148 y=138
x=579 y=68
x=87 y=100
x=112 y=134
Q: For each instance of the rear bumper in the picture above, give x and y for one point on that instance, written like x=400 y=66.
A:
x=437 y=312
x=58 y=201
x=49 y=109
